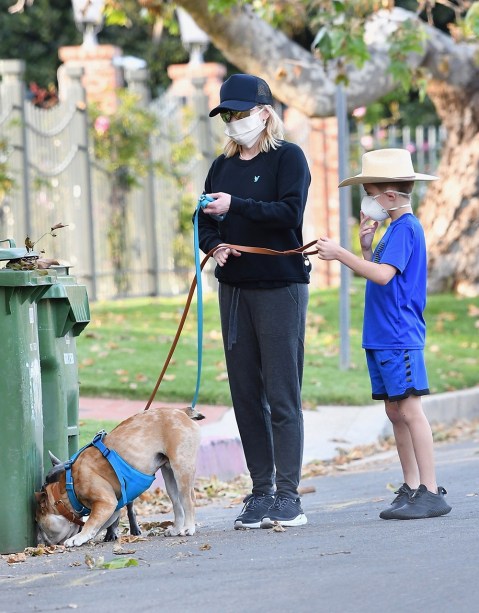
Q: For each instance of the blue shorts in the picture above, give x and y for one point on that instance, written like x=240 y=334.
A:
x=397 y=373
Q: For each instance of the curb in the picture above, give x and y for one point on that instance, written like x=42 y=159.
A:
x=327 y=429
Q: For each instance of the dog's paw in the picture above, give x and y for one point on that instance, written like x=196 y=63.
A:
x=77 y=540
x=185 y=531
x=111 y=535
x=172 y=531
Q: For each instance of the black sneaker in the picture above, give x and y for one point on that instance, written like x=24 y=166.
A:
x=284 y=511
x=404 y=493
x=256 y=505
x=423 y=504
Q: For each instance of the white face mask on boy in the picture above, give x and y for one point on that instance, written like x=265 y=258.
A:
x=245 y=131
x=372 y=208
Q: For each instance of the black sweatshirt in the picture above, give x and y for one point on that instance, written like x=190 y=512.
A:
x=268 y=196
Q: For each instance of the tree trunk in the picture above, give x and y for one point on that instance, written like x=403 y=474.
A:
x=450 y=211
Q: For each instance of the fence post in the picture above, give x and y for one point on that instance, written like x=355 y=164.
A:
x=344 y=217
x=75 y=94
x=137 y=81
x=13 y=92
x=204 y=139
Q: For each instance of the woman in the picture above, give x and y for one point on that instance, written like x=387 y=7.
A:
x=260 y=186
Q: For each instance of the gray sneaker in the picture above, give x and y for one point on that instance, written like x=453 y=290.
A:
x=256 y=506
x=404 y=493
x=284 y=511
x=423 y=504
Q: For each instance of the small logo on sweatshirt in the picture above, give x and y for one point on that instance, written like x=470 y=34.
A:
x=256 y=178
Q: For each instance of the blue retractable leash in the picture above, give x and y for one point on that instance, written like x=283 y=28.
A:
x=203 y=202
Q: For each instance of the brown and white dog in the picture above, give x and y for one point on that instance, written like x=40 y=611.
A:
x=158 y=438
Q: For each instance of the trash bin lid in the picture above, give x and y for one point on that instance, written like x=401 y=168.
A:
x=14 y=252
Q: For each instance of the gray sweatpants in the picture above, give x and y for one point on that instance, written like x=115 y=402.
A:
x=263 y=334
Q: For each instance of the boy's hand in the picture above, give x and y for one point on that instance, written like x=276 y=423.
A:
x=327 y=249
x=366 y=231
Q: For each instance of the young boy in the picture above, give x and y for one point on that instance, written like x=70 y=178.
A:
x=394 y=327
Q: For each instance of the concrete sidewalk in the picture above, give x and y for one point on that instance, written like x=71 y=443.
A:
x=326 y=428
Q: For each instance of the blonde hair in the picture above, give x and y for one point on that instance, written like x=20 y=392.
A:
x=270 y=138
x=400 y=186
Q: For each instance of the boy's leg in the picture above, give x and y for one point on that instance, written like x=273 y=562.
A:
x=404 y=445
x=428 y=500
x=413 y=417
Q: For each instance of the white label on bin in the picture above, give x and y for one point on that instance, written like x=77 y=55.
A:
x=31 y=314
x=69 y=358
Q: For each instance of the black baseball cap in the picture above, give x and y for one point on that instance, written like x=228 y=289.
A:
x=242 y=92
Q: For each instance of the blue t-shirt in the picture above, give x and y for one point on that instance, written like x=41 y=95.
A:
x=393 y=313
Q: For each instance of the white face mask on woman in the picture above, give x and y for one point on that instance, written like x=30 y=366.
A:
x=245 y=131
x=372 y=208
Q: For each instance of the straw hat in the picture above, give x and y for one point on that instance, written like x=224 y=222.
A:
x=384 y=165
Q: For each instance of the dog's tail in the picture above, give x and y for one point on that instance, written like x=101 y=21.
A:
x=194 y=414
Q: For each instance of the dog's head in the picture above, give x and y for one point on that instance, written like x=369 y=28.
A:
x=53 y=527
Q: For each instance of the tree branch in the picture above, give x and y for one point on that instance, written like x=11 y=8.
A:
x=298 y=79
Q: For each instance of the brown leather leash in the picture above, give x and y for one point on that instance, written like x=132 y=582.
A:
x=303 y=250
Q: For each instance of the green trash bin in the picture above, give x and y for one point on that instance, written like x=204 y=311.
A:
x=63 y=313
x=21 y=431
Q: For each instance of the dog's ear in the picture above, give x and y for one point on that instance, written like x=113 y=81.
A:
x=55 y=461
x=41 y=500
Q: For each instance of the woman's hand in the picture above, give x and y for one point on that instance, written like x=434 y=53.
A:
x=220 y=205
x=222 y=254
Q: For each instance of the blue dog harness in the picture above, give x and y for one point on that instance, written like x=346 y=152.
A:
x=132 y=481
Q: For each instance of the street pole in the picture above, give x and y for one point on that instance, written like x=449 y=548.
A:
x=344 y=216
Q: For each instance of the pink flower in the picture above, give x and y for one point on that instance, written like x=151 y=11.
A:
x=411 y=147
x=102 y=124
x=359 y=112
x=367 y=142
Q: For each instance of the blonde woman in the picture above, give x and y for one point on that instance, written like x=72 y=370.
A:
x=260 y=187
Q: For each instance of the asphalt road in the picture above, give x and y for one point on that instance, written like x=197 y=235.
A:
x=345 y=560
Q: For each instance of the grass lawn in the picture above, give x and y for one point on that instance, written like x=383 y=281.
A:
x=123 y=349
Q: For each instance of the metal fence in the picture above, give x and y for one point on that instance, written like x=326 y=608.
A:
x=423 y=142
x=57 y=179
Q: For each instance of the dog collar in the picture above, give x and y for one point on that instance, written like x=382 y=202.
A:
x=62 y=507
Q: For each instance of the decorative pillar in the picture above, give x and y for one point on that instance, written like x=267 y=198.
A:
x=318 y=137
x=101 y=76
x=182 y=76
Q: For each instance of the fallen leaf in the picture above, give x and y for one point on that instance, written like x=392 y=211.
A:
x=15 y=558
x=115 y=563
x=205 y=547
